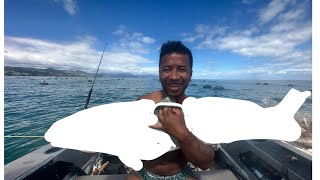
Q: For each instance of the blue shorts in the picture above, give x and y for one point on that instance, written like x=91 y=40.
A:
x=181 y=175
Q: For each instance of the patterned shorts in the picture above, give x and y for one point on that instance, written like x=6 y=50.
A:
x=181 y=175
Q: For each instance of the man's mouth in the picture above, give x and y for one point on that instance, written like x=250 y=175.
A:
x=174 y=86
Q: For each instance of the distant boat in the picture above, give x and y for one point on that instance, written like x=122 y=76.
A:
x=44 y=83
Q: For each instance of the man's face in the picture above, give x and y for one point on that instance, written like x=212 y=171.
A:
x=175 y=74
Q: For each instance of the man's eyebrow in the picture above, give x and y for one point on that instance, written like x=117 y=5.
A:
x=184 y=66
x=166 y=66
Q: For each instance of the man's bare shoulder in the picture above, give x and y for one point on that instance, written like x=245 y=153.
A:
x=156 y=96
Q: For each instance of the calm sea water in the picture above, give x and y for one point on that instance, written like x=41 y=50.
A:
x=30 y=108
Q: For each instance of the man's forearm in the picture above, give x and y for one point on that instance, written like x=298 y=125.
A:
x=196 y=151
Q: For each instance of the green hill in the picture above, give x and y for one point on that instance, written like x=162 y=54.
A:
x=23 y=71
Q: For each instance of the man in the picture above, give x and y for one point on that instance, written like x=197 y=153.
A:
x=175 y=71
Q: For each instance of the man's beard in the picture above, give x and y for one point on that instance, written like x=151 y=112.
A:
x=173 y=96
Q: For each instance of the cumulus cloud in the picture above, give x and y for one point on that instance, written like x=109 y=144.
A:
x=293 y=14
x=148 y=40
x=205 y=31
x=272 y=10
x=280 y=43
x=69 y=5
x=121 y=31
x=132 y=42
x=276 y=45
x=75 y=55
x=267 y=71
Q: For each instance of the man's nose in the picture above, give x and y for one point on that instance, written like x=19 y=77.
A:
x=174 y=74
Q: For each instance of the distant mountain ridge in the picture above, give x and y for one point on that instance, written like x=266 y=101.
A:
x=24 y=71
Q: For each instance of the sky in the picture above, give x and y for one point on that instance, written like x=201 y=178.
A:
x=240 y=39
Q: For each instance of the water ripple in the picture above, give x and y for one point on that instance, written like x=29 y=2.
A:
x=30 y=109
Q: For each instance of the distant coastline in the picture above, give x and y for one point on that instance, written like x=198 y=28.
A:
x=25 y=71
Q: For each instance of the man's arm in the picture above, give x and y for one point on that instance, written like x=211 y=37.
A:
x=196 y=151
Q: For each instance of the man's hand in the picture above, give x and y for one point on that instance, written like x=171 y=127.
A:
x=172 y=122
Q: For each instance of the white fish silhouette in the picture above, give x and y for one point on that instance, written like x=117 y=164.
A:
x=121 y=129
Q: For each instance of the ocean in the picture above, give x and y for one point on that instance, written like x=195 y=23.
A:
x=30 y=108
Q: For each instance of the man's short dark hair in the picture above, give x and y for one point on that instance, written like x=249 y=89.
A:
x=175 y=47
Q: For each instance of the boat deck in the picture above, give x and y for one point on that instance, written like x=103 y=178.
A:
x=237 y=160
x=202 y=175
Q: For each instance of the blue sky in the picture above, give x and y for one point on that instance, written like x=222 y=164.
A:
x=243 y=39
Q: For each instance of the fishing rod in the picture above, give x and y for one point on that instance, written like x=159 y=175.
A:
x=89 y=95
x=97 y=168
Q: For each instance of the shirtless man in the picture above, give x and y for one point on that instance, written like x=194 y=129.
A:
x=175 y=71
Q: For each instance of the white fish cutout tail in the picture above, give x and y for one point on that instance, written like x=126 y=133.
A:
x=221 y=120
x=124 y=125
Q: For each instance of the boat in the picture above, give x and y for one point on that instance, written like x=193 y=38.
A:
x=247 y=159
x=44 y=83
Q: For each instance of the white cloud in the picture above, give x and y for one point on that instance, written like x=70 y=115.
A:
x=272 y=10
x=76 y=55
x=293 y=14
x=190 y=39
x=281 y=72
x=69 y=5
x=205 y=31
x=280 y=46
x=267 y=71
x=277 y=43
x=148 y=40
x=131 y=42
x=283 y=27
x=121 y=30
